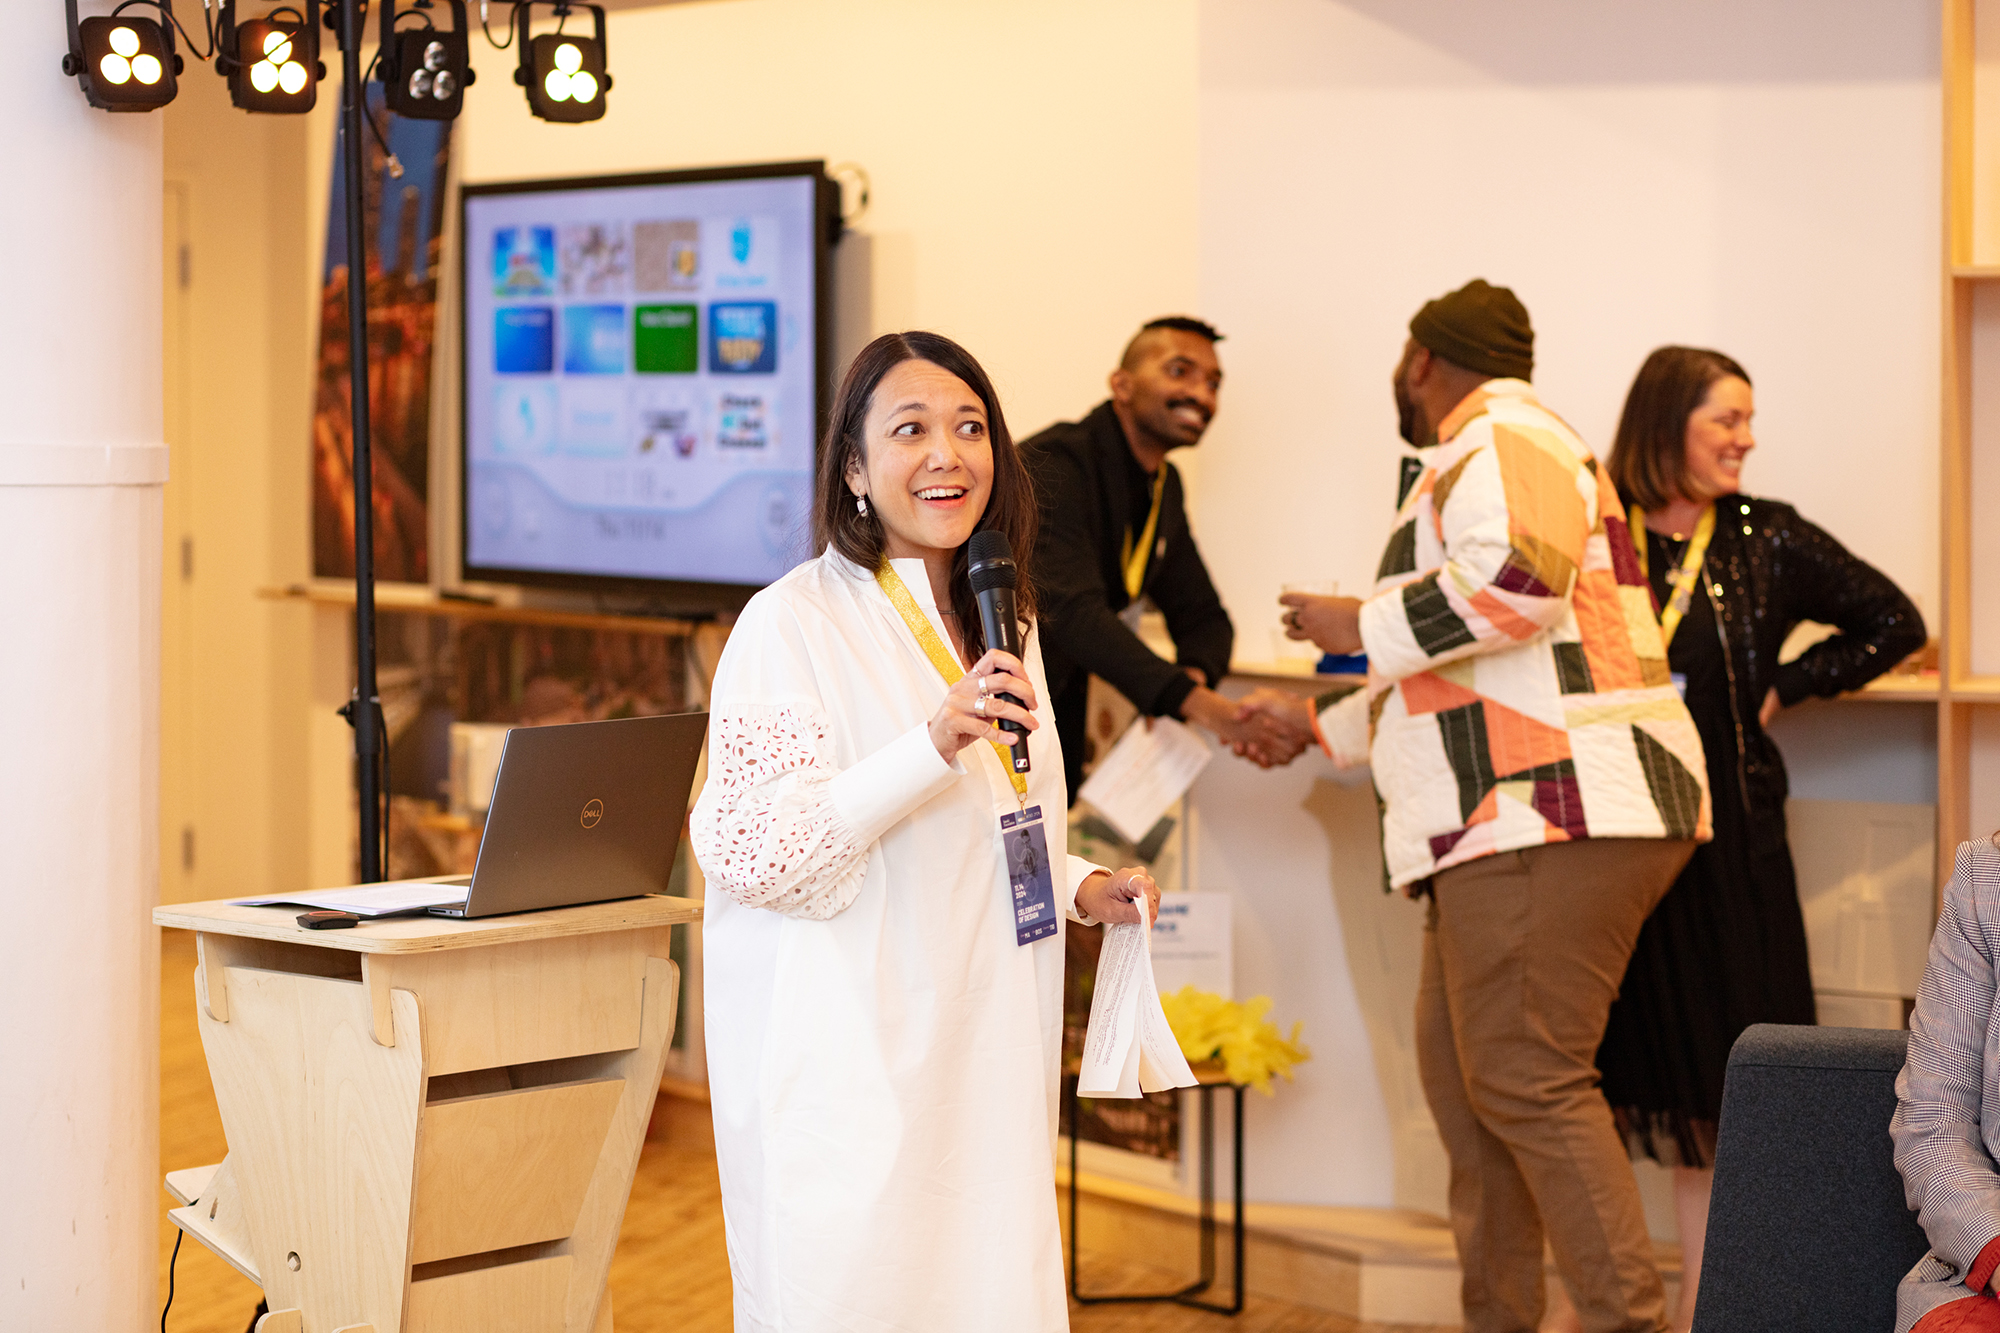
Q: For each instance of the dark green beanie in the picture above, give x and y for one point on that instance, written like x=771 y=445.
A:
x=1481 y=327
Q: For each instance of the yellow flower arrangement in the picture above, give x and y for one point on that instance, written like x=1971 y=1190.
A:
x=1209 y=1027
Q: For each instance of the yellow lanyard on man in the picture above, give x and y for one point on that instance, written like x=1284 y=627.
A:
x=1133 y=557
x=941 y=658
x=1680 y=589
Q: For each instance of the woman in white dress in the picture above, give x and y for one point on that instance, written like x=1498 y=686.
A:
x=883 y=1053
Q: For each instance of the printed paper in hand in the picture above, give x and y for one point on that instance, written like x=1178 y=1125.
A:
x=1128 y=1048
x=1149 y=769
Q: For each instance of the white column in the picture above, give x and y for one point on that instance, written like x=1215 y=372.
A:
x=81 y=467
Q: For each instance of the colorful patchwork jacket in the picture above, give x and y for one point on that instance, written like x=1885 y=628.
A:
x=1517 y=691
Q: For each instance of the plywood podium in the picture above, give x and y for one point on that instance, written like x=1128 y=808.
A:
x=433 y=1125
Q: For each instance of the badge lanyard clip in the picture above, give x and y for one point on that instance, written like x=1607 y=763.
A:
x=1680 y=589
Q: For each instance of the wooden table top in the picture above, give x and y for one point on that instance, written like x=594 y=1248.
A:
x=429 y=934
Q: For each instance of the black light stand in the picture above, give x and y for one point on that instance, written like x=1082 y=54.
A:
x=364 y=710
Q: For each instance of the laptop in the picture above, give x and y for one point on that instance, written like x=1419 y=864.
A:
x=586 y=812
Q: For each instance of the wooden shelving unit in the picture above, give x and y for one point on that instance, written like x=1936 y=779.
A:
x=1969 y=268
x=425 y=600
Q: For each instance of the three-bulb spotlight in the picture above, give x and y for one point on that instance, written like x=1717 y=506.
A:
x=425 y=70
x=272 y=63
x=564 y=75
x=123 y=63
x=569 y=81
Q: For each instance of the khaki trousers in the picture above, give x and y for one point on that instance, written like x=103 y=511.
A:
x=1523 y=954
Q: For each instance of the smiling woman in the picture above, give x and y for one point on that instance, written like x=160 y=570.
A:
x=1731 y=575
x=917 y=414
x=883 y=931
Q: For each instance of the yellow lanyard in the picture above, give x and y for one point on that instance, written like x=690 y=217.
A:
x=941 y=658
x=1680 y=589
x=1134 y=557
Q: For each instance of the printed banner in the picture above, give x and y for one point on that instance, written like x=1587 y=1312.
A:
x=404 y=219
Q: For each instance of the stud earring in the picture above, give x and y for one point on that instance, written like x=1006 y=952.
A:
x=861 y=505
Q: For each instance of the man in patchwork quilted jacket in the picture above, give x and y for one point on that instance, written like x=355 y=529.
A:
x=1541 y=785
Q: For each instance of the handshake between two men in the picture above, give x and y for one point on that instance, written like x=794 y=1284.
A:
x=1271 y=726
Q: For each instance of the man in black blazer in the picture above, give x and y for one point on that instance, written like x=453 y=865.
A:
x=1115 y=538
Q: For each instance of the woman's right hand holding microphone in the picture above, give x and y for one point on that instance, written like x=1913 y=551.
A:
x=972 y=707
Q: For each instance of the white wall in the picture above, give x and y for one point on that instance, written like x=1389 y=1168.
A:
x=1737 y=175
x=1297 y=851
x=1034 y=163
x=239 y=338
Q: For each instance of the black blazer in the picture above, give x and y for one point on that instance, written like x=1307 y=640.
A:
x=1085 y=478
x=1775 y=569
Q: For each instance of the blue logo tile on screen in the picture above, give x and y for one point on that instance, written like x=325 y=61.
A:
x=749 y=263
x=524 y=340
x=743 y=337
x=524 y=418
x=524 y=261
x=594 y=340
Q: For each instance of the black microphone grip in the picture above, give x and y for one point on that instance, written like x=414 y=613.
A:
x=1003 y=631
x=990 y=563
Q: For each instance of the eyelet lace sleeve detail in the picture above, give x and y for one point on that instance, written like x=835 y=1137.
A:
x=766 y=829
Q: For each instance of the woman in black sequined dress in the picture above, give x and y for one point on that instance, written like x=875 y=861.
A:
x=1727 y=946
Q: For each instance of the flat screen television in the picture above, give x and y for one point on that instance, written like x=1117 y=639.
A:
x=644 y=376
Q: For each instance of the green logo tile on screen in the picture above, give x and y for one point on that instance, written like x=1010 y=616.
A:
x=665 y=341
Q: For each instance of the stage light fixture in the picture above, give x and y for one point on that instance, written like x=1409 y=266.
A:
x=564 y=74
x=123 y=63
x=425 y=71
x=272 y=63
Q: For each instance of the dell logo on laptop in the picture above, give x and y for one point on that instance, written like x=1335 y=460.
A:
x=593 y=812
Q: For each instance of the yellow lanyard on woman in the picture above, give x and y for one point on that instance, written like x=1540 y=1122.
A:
x=1133 y=558
x=941 y=658
x=1680 y=590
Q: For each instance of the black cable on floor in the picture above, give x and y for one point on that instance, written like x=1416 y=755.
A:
x=179 y=1235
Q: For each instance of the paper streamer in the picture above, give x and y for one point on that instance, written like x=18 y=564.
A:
x=1128 y=1048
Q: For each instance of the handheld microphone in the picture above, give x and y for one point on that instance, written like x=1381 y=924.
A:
x=991 y=563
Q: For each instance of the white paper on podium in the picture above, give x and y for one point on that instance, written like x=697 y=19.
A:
x=1128 y=1048
x=1151 y=767
x=394 y=898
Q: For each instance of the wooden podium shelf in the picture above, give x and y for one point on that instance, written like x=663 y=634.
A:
x=432 y=1124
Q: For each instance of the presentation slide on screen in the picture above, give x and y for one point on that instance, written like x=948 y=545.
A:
x=639 y=379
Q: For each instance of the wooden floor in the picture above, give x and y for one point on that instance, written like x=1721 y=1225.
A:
x=672 y=1272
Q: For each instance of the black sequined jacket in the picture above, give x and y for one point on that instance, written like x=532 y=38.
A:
x=1767 y=570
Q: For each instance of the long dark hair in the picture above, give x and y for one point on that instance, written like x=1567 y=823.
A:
x=1010 y=508
x=1649 y=457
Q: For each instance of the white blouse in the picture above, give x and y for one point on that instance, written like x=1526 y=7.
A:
x=883 y=1057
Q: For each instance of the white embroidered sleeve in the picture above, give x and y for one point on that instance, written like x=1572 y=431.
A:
x=779 y=826
x=767 y=829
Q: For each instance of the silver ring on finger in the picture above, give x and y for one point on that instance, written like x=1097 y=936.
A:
x=979 y=704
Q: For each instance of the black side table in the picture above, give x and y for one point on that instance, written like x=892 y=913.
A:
x=1190 y=1295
